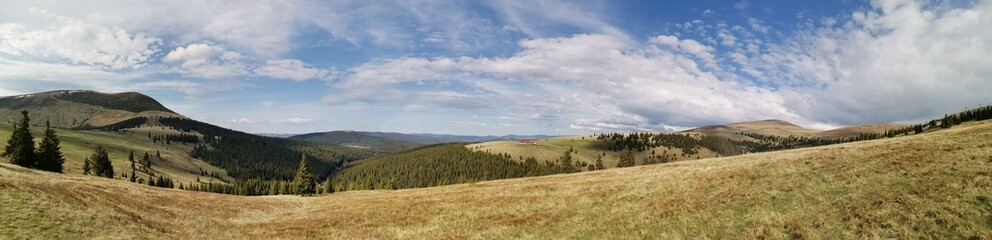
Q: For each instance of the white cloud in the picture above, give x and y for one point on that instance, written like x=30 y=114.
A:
x=78 y=42
x=742 y=5
x=268 y=104
x=242 y=121
x=206 y=60
x=591 y=75
x=414 y=108
x=899 y=61
x=292 y=69
x=534 y=18
x=687 y=45
x=295 y=121
x=758 y=26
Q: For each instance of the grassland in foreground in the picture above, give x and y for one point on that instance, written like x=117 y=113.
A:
x=933 y=185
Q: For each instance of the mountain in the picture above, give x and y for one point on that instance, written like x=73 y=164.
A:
x=191 y=150
x=81 y=109
x=359 y=140
x=931 y=185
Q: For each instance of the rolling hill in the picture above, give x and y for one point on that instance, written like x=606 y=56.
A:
x=190 y=150
x=766 y=127
x=931 y=185
x=81 y=109
x=727 y=138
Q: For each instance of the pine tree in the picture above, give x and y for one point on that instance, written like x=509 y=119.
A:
x=86 y=166
x=130 y=158
x=599 y=163
x=49 y=152
x=20 y=146
x=303 y=183
x=566 y=162
x=274 y=188
x=146 y=162
x=626 y=159
x=327 y=186
x=101 y=163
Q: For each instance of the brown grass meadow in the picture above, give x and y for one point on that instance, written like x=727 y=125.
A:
x=934 y=185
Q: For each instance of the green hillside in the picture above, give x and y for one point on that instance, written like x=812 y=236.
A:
x=81 y=109
x=931 y=185
x=175 y=161
x=189 y=149
x=436 y=165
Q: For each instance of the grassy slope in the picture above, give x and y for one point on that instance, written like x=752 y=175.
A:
x=588 y=149
x=78 y=145
x=937 y=184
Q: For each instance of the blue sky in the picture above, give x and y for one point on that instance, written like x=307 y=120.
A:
x=510 y=67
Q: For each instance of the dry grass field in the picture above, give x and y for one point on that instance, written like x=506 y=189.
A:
x=933 y=185
x=586 y=147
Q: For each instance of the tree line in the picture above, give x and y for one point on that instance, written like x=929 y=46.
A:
x=689 y=144
x=442 y=164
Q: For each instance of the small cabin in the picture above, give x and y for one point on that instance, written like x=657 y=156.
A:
x=527 y=142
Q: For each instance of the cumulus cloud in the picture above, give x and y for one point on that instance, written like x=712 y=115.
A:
x=295 y=121
x=599 y=75
x=71 y=40
x=292 y=69
x=898 y=61
x=242 y=121
x=207 y=61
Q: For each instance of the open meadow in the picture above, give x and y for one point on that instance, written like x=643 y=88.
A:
x=933 y=185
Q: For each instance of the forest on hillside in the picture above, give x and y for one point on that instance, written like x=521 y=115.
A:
x=442 y=164
x=248 y=156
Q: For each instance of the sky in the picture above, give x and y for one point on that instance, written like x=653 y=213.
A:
x=510 y=67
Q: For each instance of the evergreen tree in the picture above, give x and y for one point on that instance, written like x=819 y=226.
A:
x=101 y=163
x=130 y=158
x=86 y=166
x=20 y=146
x=599 y=163
x=283 y=188
x=626 y=158
x=274 y=188
x=566 y=162
x=49 y=152
x=146 y=162
x=303 y=183
x=327 y=186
